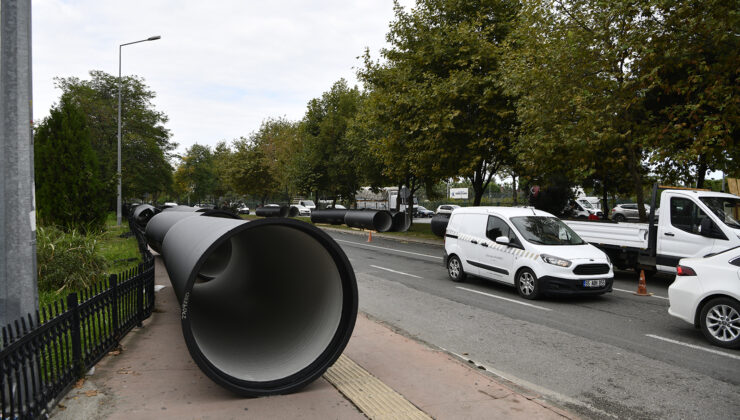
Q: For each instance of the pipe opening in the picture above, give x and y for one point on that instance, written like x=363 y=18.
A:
x=216 y=263
x=266 y=315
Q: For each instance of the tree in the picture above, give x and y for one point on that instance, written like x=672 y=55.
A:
x=69 y=191
x=571 y=63
x=327 y=158
x=438 y=88
x=250 y=172
x=691 y=78
x=146 y=147
x=196 y=174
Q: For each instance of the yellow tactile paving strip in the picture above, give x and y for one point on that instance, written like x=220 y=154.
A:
x=374 y=398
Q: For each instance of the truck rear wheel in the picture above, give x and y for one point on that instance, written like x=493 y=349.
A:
x=455 y=269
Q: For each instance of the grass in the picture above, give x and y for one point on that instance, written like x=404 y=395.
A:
x=119 y=253
x=417 y=230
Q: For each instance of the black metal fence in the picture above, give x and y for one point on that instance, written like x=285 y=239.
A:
x=42 y=356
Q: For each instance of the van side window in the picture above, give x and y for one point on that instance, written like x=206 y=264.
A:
x=497 y=227
x=686 y=215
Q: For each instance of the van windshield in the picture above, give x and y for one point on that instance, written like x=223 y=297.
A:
x=726 y=208
x=546 y=231
x=586 y=204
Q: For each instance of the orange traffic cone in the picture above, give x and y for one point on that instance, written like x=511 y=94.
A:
x=641 y=287
x=369 y=235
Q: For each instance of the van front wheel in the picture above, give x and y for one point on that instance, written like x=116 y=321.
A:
x=526 y=284
x=455 y=269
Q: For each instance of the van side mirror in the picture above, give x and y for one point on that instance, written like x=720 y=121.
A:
x=502 y=240
x=710 y=229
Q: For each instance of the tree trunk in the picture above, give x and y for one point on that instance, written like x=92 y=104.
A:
x=604 y=203
x=701 y=171
x=514 y=196
x=632 y=163
x=398 y=196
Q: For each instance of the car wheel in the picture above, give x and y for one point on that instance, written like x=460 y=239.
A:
x=619 y=218
x=720 y=322
x=455 y=269
x=526 y=284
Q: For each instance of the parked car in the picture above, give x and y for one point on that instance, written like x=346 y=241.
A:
x=582 y=209
x=625 y=212
x=243 y=209
x=421 y=211
x=706 y=294
x=530 y=249
x=302 y=210
x=447 y=208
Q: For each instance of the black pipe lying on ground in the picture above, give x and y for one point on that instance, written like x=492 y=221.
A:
x=330 y=216
x=401 y=223
x=377 y=220
x=282 y=211
x=439 y=224
x=266 y=306
x=143 y=213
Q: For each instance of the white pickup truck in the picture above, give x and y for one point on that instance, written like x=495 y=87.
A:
x=692 y=223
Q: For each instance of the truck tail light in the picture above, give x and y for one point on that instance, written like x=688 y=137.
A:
x=682 y=270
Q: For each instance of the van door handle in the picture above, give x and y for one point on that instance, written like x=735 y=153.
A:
x=474 y=241
x=669 y=234
x=484 y=244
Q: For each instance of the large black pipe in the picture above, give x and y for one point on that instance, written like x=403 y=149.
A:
x=282 y=211
x=266 y=306
x=330 y=216
x=377 y=220
x=401 y=223
x=143 y=213
x=439 y=224
x=293 y=212
x=156 y=231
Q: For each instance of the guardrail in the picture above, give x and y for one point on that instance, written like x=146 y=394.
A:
x=42 y=356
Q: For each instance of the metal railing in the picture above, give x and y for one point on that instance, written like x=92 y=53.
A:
x=42 y=356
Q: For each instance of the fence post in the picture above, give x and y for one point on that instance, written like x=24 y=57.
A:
x=113 y=282
x=139 y=295
x=73 y=307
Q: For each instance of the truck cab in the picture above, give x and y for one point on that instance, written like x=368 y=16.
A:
x=698 y=223
x=692 y=223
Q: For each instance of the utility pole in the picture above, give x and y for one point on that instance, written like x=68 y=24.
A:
x=18 y=289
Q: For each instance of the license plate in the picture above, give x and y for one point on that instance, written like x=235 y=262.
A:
x=594 y=283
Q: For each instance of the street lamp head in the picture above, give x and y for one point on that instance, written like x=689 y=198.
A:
x=153 y=38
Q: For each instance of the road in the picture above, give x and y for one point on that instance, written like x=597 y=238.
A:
x=613 y=356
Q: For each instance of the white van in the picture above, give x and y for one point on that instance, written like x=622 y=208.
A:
x=530 y=249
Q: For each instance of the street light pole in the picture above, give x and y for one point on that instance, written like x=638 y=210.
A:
x=118 y=199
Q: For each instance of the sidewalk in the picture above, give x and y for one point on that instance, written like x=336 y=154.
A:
x=153 y=377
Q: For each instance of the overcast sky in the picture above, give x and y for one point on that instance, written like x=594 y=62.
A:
x=221 y=67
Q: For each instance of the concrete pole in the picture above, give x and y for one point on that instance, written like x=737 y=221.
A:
x=18 y=289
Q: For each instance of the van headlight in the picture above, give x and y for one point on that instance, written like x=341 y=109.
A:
x=556 y=260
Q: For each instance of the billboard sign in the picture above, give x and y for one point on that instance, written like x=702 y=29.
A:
x=459 y=193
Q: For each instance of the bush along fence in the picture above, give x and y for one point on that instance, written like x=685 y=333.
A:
x=42 y=356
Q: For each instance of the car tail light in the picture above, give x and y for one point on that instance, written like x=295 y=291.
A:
x=682 y=270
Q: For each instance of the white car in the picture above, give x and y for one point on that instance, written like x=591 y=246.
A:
x=243 y=209
x=302 y=210
x=706 y=293
x=447 y=208
x=530 y=249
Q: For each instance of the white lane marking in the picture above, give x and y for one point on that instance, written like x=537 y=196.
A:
x=389 y=249
x=394 y=271
x=503 y=298
x=632 y=292
x=693 y=346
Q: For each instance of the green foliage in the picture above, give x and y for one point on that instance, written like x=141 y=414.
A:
x=437 y=94
x=146 y=147
x=67 y=260
x=196 y=175
x=327 y=158
x=691 y=78
x=69 y=191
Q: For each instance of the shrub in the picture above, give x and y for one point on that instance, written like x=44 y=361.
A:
x=67 y=260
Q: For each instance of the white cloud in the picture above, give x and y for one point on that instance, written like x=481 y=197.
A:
x=221 y=67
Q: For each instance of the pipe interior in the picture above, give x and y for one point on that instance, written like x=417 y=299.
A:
x=383 y=221
x=272 y=308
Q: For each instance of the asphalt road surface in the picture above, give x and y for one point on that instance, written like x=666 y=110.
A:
x=613 y=356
